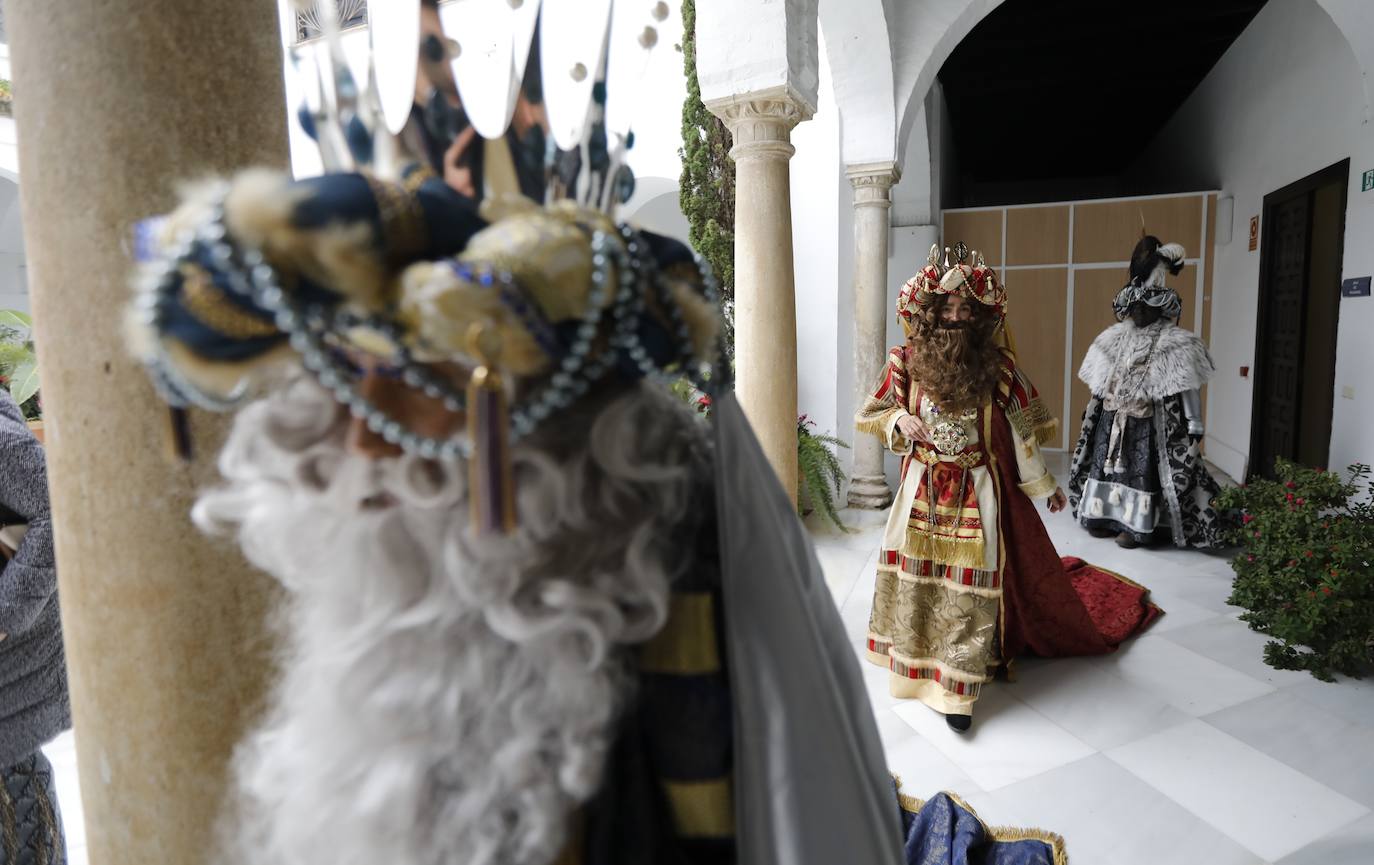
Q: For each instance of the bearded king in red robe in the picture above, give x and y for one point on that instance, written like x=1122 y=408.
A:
x=967 y=576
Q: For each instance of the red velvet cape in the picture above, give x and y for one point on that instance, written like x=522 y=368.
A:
x=1054 y=606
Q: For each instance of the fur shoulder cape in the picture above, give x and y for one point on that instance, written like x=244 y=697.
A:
x=1180 y=361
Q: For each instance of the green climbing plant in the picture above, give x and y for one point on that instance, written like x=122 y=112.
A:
x=707 y=187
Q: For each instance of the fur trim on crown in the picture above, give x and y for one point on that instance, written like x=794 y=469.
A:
x=1180 y=362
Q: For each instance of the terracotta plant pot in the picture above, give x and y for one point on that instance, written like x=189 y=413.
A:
x=36 y=427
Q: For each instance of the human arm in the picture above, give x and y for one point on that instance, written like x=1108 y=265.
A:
x=884 y=413
x=1192 y=410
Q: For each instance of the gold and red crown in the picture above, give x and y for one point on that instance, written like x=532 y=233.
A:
x=974 y=282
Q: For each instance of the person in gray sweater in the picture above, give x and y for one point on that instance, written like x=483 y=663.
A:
x=34 y=706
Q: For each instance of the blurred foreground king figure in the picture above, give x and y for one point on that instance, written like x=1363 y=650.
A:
x=537 y=611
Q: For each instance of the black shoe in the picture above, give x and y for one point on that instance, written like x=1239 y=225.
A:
x=1127 y=541
x=1101 y=533
x=959 y=723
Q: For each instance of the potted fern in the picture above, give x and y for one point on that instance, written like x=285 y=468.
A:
x=819 y=473
x=19 y=365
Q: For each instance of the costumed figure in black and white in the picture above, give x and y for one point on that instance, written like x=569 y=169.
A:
x=1137 y=471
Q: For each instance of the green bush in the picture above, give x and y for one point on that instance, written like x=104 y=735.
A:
x=1305 y=573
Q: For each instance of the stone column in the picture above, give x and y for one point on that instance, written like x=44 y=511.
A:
x=117 y=101
x=872 y=207
x=765 y=290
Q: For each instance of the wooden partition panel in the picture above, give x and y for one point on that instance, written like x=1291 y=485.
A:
x=1038 y=316
x=1093 y=291
x=1108 y=231
x=1038 y=235
x=1076 y=254
x=978 y=229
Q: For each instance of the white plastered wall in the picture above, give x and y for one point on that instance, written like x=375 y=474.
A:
x=822 y=225
x=1284 y=102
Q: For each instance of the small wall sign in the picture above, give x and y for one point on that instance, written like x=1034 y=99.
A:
x=1254 y=233
x=1367 y=180
x=1358 y=287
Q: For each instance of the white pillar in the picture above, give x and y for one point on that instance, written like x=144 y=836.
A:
x=872 y=207
x=765 y=291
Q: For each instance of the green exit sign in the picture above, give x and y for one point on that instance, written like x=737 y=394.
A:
x=1367 y=182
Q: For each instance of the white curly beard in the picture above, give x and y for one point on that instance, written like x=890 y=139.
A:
x=445 y=699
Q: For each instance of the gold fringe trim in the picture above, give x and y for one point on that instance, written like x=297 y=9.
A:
x=1007 y=834
x=958 y=552
x=1047 y=432
x=872 y=418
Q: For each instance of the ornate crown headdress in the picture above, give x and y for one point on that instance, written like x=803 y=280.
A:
x=392 y=268
x=976 y=282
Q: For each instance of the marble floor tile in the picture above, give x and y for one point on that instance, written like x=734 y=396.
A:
x=1233 y=643
x=1319 y=745
x=1179 y=612
x=1351 y=700
x=1110 y=817
x=1269 y=808
x=1181 y=677
x=924 y=771
x=1349 y=845
x=1099 y=708
x=841 y=566
x=1009 y=741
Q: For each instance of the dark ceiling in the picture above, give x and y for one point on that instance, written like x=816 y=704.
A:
x=1060 y=89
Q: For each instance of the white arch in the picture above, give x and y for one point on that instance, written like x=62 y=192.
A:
x=1355 y=20
x=858 y=46
x=928 y=31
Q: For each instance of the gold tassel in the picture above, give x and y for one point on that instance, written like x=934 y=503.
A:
x=491 y=478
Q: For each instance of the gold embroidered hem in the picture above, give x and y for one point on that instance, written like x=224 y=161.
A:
x=932 y=694
x=1040 y=489
x=937 y=637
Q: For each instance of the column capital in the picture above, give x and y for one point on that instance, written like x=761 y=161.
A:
x=761 y=122
x=872 y=183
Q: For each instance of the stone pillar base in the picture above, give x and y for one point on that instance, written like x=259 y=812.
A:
x=869 y=493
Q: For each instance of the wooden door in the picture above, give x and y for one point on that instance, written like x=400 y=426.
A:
x=1296 y=317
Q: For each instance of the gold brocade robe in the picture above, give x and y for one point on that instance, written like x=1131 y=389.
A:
x=938 y=600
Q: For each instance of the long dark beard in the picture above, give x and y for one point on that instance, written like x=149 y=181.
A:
x=957 y=367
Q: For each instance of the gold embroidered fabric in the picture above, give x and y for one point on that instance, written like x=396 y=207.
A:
x=934 y=624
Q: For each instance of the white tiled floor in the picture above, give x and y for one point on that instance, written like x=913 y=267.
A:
x=1183 y=748
x=61 y=752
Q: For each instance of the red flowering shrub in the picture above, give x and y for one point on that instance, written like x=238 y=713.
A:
x=1305 y=573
